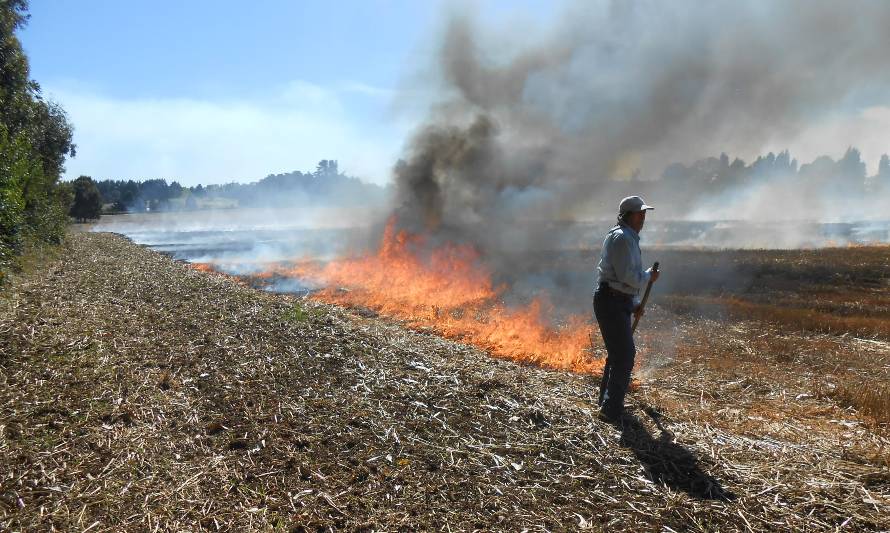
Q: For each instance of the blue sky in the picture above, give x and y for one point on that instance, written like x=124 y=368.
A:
x=205 y=91
x=213 y=91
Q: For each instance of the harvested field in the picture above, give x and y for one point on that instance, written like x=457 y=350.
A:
x=138 y=393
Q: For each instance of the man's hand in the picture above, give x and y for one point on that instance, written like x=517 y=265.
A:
x=654 y=275
x=638 y=311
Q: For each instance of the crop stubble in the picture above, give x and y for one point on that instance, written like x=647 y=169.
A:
x=139 y=393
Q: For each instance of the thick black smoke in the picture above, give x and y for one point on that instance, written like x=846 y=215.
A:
x=617 y=90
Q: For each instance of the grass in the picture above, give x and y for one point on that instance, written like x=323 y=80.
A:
x=793 y=318
x=837 y=291
x=868 y=397
x=769 y=358
x=34 y=256
x=300 y=314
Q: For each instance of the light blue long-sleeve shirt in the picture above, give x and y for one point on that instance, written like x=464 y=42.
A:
x=621 y=262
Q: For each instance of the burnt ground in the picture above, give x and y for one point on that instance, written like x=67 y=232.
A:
x=139 y=394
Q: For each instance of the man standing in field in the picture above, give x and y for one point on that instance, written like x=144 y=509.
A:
x=620 y=278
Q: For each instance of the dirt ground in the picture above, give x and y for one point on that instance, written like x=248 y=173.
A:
x=139 y=394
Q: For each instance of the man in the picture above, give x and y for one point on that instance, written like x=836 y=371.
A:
x=620 y=278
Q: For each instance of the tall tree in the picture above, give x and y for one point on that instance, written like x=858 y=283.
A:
x=87 y=200
x=326 y=168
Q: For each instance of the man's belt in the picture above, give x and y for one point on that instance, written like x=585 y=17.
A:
x=604 y=286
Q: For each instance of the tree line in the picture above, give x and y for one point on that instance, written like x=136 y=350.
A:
x=325 y=185
x=35 y=140
x=848 y=172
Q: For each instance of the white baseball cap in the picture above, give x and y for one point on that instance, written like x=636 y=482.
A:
x=632 y=204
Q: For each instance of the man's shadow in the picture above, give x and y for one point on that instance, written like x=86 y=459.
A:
x=667 y=462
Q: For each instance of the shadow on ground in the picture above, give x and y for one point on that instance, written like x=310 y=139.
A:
x=667 y=462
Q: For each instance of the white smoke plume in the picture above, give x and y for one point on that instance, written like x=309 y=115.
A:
x=615 y=91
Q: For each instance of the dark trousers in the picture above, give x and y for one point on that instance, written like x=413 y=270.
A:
x=613 y=310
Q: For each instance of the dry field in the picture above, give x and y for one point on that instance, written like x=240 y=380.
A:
x=823 y=312
x=139 y=394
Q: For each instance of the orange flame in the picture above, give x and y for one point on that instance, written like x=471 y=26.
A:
x=446 y=289
x=202 y=267
x=212 y=268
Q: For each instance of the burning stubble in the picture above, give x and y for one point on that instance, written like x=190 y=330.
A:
x=448 y=289
x=523 y=146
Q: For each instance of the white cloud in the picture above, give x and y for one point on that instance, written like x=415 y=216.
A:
x=213 y=141
x=296 y=125
x=367 y=90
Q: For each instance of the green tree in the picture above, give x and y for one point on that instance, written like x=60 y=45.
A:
x=87 y=200
x=16 y=165
x=35 y=140
x=15 y=84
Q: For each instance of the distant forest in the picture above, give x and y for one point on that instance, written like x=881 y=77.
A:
x=849 y=172
x=680 y=184
x=774 y=185
x=326 y=186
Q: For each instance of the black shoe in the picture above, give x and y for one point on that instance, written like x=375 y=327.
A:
x=611 y=416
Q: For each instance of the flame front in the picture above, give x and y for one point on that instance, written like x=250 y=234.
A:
x=203 y=267
x=445 y=288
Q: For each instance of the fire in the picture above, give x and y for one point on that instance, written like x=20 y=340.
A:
x=202 y=267
x=446 y=288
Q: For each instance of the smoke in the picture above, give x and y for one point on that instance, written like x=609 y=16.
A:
x=559 y=128
x=244 y=240
x=529 y=146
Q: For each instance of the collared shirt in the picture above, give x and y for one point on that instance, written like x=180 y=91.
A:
x=621 y=262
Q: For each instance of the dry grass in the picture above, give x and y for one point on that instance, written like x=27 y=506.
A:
x=792 y=318
x=868 y=397
x=834 y=293
x=850 y=371
x=136 y=393
x=835 y=290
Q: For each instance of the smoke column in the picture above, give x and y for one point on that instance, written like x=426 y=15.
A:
x=622 y=88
